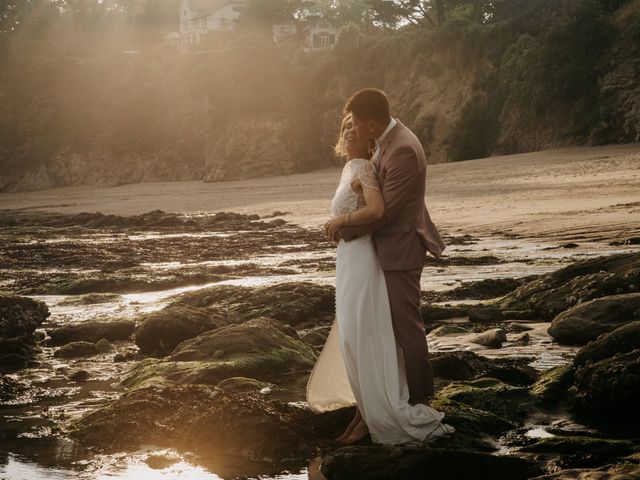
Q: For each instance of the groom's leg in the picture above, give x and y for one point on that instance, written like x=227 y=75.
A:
x=404 y=297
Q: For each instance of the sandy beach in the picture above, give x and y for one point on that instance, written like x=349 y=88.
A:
x=589 y=193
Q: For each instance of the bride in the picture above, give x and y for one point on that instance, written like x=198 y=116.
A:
x=361 y=363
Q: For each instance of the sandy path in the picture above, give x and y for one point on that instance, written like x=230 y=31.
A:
x=569 y=193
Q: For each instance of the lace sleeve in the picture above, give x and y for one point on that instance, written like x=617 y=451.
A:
x=368 y=175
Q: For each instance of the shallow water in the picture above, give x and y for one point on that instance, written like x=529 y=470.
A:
x=30 y=429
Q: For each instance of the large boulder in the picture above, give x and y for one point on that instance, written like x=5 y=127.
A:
x=490 y=394
x=76 y=349
x=588 y=320
x=609 y=388
x=555 y=292
x=160 y=332
x=301 y=304
x=398 y=463
x=92 y=331
x=259 y=349
x=225 y=427
x=20 y=316
x=622 y=340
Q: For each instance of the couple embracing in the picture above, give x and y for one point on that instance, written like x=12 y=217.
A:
x=376 y=355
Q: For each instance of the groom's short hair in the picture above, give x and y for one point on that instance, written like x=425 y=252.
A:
x=369 y=104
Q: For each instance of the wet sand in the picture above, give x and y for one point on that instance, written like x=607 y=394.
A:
x=588 y=193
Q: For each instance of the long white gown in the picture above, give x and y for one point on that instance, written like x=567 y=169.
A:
x=361 y=363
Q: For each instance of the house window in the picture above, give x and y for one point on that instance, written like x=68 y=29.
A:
x=322 y=40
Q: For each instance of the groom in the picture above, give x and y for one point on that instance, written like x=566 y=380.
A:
x=404 y=234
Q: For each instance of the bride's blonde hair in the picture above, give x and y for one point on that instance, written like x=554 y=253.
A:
x=340 y=149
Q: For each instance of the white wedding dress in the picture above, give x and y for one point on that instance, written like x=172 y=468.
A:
x=361 y=363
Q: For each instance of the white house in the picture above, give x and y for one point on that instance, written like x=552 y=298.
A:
x=315 y=33
x=200 y=17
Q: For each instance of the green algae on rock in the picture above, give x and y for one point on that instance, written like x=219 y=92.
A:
x=553 y=384
x=490 y=394
x=293 y=303
x=261 y=349
x=158 y=333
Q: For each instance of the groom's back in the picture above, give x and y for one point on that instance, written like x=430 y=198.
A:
x=401 y=244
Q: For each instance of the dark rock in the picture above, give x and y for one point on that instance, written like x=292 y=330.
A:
x=622 y=340
x=17 y=352
x=553 y=384
x=580 y=282
x=92 y=331
x=103 y=345
x=20 y=316
x=230 y=428
x=518 y=327
x=456 y=365
x=438 y=312
x=402 y=463
x=609 y=388
x=463 y=365
x=290 y=303
x=260 y=349
x=485 y=315
x=618 y=471
x=160 y=332
x=522 y=339
x=491 y=338
x=79 y=376
x=159 y=462
x=317 y=337
x=482 y=289
x=519 y=314
x=76 y=349
x=11 y=388
x=490 y=394
x=588 y=320
x=570 y=444
x=241 y=384
x=447 y=330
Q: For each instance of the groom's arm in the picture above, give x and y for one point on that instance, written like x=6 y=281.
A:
x=401 y=175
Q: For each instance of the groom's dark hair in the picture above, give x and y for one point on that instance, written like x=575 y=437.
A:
x=369 y=104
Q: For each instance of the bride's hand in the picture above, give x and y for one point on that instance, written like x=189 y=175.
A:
x=331 y=227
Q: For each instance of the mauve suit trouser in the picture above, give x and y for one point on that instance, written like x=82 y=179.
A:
x=403 y=287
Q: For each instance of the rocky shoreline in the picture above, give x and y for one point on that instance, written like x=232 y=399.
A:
x=217 y=373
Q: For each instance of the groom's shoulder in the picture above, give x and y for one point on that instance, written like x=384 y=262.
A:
x=405 y=139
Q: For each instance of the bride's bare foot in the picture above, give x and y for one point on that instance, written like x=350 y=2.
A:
x=359 y=432
x=356 y=419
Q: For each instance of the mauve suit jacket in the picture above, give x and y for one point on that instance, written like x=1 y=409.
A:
x=406 y=231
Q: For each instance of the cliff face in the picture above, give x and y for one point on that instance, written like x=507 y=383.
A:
x=562 y=73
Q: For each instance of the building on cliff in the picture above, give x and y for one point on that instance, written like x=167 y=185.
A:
x=199 y=18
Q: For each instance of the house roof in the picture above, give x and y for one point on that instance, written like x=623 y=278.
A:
x=208 y=6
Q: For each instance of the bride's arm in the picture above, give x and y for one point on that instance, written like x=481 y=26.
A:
x=371 y=212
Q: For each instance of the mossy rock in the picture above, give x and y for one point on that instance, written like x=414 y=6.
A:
x=261 y=349
x=160 y=332
x=446 y=330
x=241 y=384
x=291 y=303
x=490 y=394
x=226 y=427
x=553 y=384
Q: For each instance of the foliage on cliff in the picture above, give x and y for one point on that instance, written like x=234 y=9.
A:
x=89 y=97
